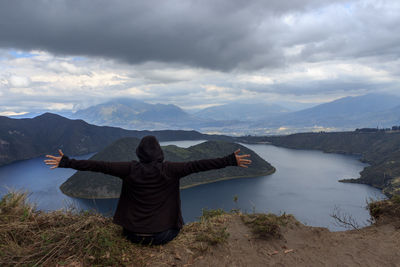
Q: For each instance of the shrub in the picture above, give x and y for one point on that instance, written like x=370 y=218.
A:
x=385 y=208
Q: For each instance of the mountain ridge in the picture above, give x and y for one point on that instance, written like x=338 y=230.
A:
x=33 y=137
x=347 y=113
x=241 y=111
x=135 y=114
x=369 y=110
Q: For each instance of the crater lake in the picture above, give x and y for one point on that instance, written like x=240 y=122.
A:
x=305 y=184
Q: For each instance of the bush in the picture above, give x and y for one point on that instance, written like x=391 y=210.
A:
x=379 y=210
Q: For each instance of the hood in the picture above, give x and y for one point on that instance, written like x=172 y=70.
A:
x=149 y=150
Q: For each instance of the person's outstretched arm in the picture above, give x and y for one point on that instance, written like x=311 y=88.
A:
x=181 y=169
x=119 y=169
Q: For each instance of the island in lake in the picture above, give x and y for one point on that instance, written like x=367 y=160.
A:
x=97 y=185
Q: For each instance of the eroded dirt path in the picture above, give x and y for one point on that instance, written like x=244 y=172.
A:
x=300 y=246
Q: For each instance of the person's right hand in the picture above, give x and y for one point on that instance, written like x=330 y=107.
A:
x=54 y=161
x=242 y=160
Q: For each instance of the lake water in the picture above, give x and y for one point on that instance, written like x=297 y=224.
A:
x=305 y=184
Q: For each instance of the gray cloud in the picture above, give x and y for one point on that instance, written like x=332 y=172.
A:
x=210 y=34
x=195 y=53
x=340 y=86
x=364 y=29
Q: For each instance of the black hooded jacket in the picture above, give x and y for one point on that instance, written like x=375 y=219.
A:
x=150 y=200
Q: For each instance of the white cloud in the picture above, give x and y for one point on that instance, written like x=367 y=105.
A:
x=11 y=113
x=23 y=92
x=64 y=67
x=60 y=106
x=135 y=92
x=38 y=81
x=19 y=81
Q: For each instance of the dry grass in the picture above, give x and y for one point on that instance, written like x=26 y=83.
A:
x=212 y=227
x=210 y=231
x=66 y=238
x=33 y=238
x=266 y=226
x=386 y=210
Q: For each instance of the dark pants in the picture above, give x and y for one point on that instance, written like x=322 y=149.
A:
x=153 y=239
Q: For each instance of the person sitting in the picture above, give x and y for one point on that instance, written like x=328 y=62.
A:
x=149 y=207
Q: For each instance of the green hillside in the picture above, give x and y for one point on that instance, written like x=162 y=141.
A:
x=29 y=138
x=97 y=185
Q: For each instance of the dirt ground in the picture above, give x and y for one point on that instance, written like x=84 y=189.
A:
x=58 y=238
x=300 y=245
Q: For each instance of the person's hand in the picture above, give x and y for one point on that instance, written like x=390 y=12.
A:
x=54 y=161
x=242 y=160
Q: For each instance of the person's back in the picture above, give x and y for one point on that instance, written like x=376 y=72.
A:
x=147 y=201
x=149 y=207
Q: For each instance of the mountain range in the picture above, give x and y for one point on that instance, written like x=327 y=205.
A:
x=138 y=115
x=242 y=112
x=372 y=110
x=28 y=138
x=348 y=113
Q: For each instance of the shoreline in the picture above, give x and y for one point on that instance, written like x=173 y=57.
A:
x=187 y=186
x=228 y=178
x=360 y=157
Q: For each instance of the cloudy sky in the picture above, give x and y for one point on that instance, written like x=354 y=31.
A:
x=69 y=54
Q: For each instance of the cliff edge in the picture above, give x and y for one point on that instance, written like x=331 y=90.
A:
x=67 y=238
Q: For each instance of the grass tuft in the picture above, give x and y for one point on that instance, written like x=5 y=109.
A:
x=212 y=227
x=385 y=210
x=210 y=213
x=33 y=238
x=211 y=230
x=395 y=199
x=266 y=226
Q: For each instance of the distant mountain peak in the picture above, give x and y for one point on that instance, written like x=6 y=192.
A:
x=241 y=111
x=136 y=114
x=49 y=115
x=349 y=112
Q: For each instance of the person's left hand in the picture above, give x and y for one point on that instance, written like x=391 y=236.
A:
x=54 y=161
x=242 y=160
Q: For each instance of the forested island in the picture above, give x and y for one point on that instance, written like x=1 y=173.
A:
x=380 y=149
x=97 y=185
